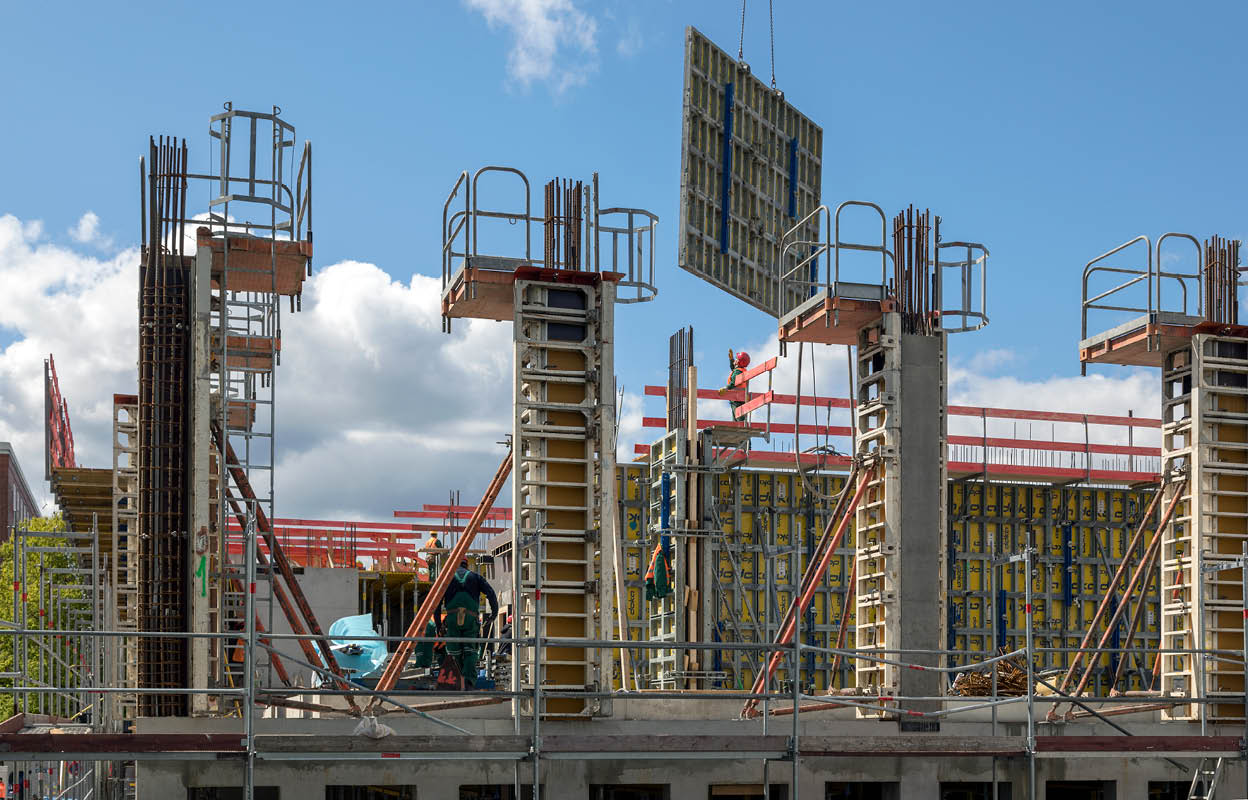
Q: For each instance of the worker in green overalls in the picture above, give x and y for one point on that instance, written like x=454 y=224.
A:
x=463 y=606
x=425 y=647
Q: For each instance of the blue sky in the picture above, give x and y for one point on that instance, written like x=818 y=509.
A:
x=1051 y=132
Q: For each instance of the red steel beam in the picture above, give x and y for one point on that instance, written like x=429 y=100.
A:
x=503 y=512
x=753 y=372
x=752 y=404
x=776 y=427
x=966 y=411
x=974 y=441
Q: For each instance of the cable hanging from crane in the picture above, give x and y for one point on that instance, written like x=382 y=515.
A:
x=771 y=34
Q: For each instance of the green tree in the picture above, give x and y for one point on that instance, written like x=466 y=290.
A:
x=32 y=582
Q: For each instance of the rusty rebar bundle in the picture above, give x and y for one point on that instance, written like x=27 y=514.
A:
x=1221 y=280
x=164 y=319
x=912 y=269
x=562 y=222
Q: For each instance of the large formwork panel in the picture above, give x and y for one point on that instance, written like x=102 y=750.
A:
x=632 y=480
x=667 y=665
x=769 y=522
x=1205 y=440
x=1080 y=535
x=751 y=167
x=562 y=353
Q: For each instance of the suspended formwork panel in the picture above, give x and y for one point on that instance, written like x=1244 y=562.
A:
x=751 y=167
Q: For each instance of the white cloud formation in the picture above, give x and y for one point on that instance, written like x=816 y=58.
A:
x=372 y=393
x=79 y=308
x=87 y=229
x=631 y=39
x=552 y=40
x=376 y=408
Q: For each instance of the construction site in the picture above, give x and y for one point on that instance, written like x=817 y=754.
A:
x=866 y=597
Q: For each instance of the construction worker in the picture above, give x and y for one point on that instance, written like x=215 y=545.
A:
x=463 y=604
x=737 y=363
x=435 y=555
x=428 y=653
x=659 y=575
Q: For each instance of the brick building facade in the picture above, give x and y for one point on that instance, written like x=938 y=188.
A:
x=17 y=502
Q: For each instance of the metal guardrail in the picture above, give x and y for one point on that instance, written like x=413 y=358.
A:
x=617 y=239
x=802 y=281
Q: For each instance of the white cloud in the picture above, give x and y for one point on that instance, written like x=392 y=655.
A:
x=552 y=40
x=376 y=408
x=631 y=40
x=80 y=309
x=87 y=230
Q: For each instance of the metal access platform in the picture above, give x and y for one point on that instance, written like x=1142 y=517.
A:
x=1177 y=305
x=830 y=310
x=579 y=237
x=257 y=264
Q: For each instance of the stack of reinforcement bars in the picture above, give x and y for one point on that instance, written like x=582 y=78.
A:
x=164 y=317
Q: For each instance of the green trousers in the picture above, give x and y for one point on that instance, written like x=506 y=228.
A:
x=466 y=623
x=424 y=648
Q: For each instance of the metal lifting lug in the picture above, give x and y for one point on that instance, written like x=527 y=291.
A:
x=591 y=586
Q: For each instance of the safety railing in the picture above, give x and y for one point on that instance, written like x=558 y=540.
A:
x=1159 y=282
x=801 y=281
x=1136 y=276
x=303 y=195
x=971 y=313
x=966 y=264
x=636 y=237
x=618 y=239
x=261 y=184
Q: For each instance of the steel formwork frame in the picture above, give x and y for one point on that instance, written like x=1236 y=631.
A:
x=562 y=489
x=1205 y=439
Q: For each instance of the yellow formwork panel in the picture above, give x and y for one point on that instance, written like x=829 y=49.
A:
x=1080 y=535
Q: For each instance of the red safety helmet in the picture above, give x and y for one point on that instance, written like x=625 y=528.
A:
x=743 y=360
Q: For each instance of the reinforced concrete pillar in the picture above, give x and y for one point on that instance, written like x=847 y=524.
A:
x=202 y=492
x=900 y=523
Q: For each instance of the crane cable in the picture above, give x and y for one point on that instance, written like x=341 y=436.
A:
x=741 y=43
x=771 y=28
x=807 y=484
x=771 y=33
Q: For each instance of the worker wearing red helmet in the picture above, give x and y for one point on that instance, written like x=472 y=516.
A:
x=737 y=362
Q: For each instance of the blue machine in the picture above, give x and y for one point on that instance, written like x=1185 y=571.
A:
x=358 y=659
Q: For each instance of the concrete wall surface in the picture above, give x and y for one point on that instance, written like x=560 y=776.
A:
x=915 y=778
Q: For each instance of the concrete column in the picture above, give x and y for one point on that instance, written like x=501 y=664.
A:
x=201 y=522
x=921 y=548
